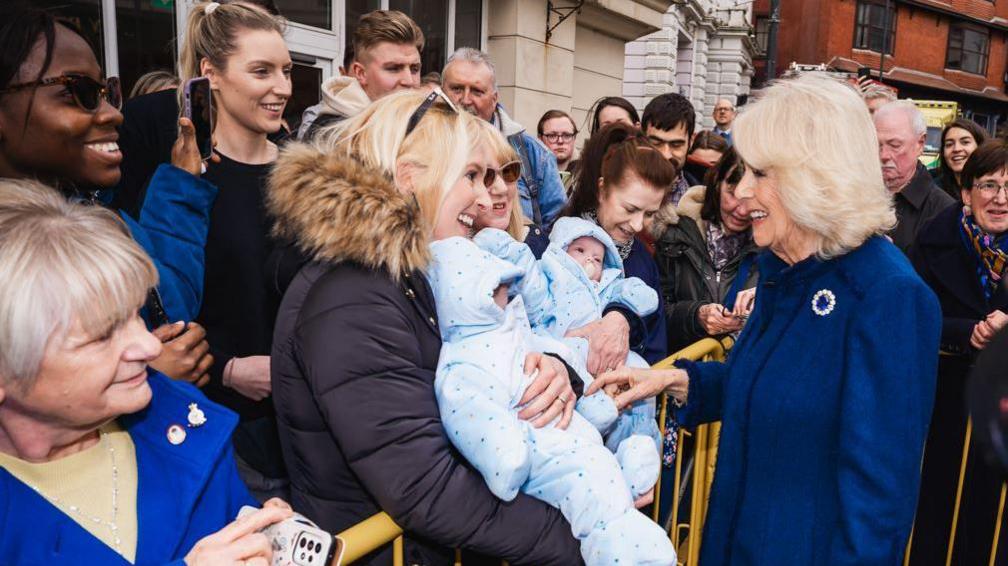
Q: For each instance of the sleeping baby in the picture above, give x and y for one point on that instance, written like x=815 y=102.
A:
x=480 y=379
x=579 y=275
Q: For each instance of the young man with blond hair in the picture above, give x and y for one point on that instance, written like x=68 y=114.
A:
x=386 y=58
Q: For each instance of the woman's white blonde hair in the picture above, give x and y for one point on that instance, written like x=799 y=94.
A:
x=817 y=136
x=438 y=147
x=63 y=264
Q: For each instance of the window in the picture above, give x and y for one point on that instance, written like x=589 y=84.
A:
x=145 y=32
x=762 y=32
x=968 y=47
x=315 y=13
x=468 y=24
x=874 y=26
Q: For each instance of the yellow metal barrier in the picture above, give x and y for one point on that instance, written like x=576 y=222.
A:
x=686 y=534
x=378 y=530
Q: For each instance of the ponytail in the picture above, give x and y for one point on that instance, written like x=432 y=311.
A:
x=212 y=31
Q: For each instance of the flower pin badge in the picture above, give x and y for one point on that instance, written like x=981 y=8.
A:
x=823 y=302
x=196 y=417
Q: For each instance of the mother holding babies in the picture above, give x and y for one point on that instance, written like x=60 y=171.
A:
x=826 y=398
x=357 y=339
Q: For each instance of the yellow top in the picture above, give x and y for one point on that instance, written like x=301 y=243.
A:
x=81 y=486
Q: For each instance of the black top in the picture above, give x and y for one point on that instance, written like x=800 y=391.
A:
x=918 y=202
x=237 y=311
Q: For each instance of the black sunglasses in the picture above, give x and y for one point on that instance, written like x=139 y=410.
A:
x=417 y=114
x=86 y=92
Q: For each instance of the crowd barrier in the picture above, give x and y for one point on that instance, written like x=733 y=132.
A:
x=685 y=525
x=379 y=530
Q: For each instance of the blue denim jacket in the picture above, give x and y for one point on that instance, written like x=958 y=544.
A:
x=552 y=197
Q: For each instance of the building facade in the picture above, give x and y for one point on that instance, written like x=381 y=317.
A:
x=704 y=51
x=933 y=49
x=549 y=54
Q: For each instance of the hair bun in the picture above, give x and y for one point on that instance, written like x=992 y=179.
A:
x=209 y=8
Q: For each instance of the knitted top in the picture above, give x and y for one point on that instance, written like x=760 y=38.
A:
x=84 y=480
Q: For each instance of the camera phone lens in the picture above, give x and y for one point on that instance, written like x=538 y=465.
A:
x=302 y=543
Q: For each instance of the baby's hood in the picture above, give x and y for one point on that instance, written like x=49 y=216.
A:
x=568 y=229
x=464 y=278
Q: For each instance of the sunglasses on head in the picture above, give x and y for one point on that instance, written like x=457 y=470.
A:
x=417 y=114
x=86 y=92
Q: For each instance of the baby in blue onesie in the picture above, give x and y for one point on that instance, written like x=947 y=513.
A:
x=579 y=275
x=480 y=379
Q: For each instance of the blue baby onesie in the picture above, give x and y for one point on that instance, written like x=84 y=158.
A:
x=480 y=379
x=559 y=296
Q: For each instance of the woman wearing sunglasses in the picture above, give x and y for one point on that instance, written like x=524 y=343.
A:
x=241 y=50
x=963 y=256
x=357 y=338
x=58 y=122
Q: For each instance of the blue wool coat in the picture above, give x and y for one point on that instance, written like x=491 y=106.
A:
x=184 y=492
x=172 y=229
x=824 y=417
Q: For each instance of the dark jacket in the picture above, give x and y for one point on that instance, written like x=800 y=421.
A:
x=184 y=492
x=355 y=350
x=824 y=408
x=688 y=277
x=916 y=205
x=942 y=259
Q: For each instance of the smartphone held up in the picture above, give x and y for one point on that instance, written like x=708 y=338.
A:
x=199 y=109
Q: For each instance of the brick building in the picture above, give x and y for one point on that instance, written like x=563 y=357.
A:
x=935 y=49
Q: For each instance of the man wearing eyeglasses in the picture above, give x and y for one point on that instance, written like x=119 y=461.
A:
x=724 y=115
x=469 y=79
x=556 y=130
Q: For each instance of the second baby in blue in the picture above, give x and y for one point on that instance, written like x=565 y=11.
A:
x=479 y=382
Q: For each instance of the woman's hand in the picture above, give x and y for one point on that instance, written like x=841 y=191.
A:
x=634 y=384
x=550 y=394
x=645 y=499
x=249 y=376
x=715 y=321
x=608 y=342
x=185 y=152
x=240 y=542
x=986 y=329
x=186 y=354
x=744 y=302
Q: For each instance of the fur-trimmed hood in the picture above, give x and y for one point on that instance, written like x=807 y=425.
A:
x=336 y=209
x=689 y=205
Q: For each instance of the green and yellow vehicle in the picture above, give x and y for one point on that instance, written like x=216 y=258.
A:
x=937 y=113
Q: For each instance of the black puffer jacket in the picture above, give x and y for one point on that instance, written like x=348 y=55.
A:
x=688 y=277
x=354 y=354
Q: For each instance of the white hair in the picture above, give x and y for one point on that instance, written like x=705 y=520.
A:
x=913 y=115
x=874 y=91
x=473 y=55
x=62 y=263
x=828 y=172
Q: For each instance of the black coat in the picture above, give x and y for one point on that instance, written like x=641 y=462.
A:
x=944 y=262
x=355 y=351
x=689 y=279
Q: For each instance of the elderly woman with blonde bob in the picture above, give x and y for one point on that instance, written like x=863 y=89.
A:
x=357 y=340
x=103 y=461
x=825 y=399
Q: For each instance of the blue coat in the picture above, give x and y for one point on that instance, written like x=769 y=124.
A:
x=172 y=229
x=824 y=416
x=184 y=492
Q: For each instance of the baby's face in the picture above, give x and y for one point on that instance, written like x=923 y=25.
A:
x=501 y=295
x=588 y=253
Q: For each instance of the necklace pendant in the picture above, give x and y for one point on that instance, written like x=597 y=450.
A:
x=196 y=416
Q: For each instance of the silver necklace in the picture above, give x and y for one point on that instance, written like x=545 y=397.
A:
x=111 y=525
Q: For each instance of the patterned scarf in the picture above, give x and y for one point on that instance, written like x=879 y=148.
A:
x=990 y=251
x=624 y=249
x=723 y=247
